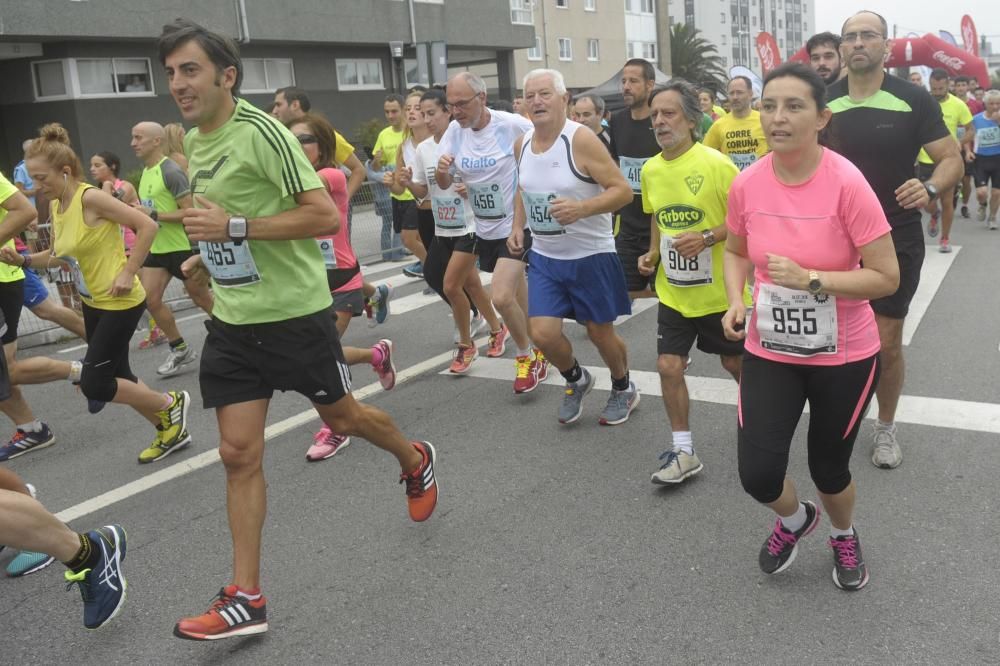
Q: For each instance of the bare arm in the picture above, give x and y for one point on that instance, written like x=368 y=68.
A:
x=20 y=213
x=99 y=204
x=183 y=202
x=737 y=269
x=357 y=178
x=879 y=277
x=315 y=215
x=949 y=166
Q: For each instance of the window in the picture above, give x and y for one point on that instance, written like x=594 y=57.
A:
x=753 y=21
x=649 y=51
x=646 y=6
x=535 y=52
x=562 y=4
x=780 y=25
x=520 y=12
x=267 y=74
x=411 y=72
x=593 y=50
x=590 y=5
x=50 y=79
x=723 y=40
x=723 y=17
x=639 y=6
x=565 y=48
x=360 y=74
x=92 y=77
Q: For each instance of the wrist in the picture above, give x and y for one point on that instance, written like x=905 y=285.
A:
x=25 y=260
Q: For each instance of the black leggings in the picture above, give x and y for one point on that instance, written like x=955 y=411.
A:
x=772 y=396
x=109 y=333
x=436 y=265
x=425 y=227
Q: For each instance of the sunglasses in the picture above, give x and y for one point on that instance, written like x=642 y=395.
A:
x=306 y=138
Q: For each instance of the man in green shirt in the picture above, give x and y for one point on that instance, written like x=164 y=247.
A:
x=163 y=192
x=259 y=206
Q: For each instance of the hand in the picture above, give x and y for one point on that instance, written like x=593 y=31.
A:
x=461 y=190
x=566 y=211
x=387 y=178
x=445 y=162
x=405 y=176
x=969 y=156
x=912 y=194
x=123 y=283
x=786 y=273
x=9 y=255
x=108 y=187
x=647 y=263
x=515 y=242
x=209 y=223
x=734 y=322
x=688 y=244
x=192 y=266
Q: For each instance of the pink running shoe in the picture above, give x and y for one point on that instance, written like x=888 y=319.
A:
x=154 y=338
x=386 y=370
x=327 y=444
x=498 y=342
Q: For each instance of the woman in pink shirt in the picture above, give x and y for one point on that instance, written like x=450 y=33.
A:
x=318 y=141
x=804 y=219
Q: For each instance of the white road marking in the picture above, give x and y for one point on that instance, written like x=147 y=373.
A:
x=936 y=266
x=70 y=350
x=916 y=410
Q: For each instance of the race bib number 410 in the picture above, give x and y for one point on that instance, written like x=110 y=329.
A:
x=794 y=322
x=631 y=168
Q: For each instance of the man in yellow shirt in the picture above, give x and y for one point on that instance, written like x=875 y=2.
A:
x=738 y=134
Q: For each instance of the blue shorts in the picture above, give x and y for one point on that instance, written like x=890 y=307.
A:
x=587 y=289
x=35 y=291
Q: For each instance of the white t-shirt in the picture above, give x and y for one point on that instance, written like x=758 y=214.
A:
x=452 y=212
x=485 y=161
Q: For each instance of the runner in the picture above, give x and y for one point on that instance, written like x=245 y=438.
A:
x=38 y=299
x=21 y=178
x=917 y=79
x=569 y=187
x=173 y=144
x=163 y=192
x=811 y=335
x=738 y=134
x=958 y=120
x=478 y=147
x=260 y=205
x=26 y=561
x=987 y=150
x=706 y=100
x=417 y=239
x=450 y=267
x=589 y=111
x=880 y=122
x=962 y=92
x=824 y=56
x=343 y=271
x=632 y=143
x=86 y=236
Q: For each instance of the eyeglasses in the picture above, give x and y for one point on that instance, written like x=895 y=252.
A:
x=306 y=138
x=865 y=35
x=462 y=103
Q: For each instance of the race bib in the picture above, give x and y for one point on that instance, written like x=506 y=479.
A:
x=988 y=137
x=536 y=205
x=794 y=322
x=631 y=168
x=743 y=160
x=326 y=248
x=487 y=201
x=682 y=272
x=231 y=265
x=449 y=211
x=74 y=267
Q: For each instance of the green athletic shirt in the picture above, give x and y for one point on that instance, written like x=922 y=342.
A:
x=956 y=116
x=160 y=187
x=253 y=166
x=390 y=142
x=8 y=273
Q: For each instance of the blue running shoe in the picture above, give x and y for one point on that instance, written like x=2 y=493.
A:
x=94 y=406
x=414 y=270
x=103 y=587
x=22 y=442
x=27 y=562
x=381 y=307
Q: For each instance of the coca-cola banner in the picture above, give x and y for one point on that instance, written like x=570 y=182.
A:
x=932 y=51
x=767 y=51
x=969 y=35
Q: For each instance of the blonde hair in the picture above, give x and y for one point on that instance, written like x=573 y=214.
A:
x=173 y=139
x=53 y=144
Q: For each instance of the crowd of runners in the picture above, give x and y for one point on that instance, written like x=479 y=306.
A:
x=782 y=233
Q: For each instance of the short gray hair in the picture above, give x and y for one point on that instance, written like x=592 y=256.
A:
x=558 y=82
x=595 y=99
x=474 y=81
x=990 y=95
x=690 y=104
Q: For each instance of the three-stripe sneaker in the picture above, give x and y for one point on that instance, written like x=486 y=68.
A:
x=229 y=615
x=421 y=486
x=24 y=441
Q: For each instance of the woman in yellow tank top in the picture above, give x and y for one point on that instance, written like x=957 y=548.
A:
x=86 y=232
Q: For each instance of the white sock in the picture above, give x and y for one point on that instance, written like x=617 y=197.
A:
x=795 y=521
x=249 y=597
x=75 y=371
x=524 y=352
x=836 y=532
x=885 y=425
x=682 y=441
x=31 y=426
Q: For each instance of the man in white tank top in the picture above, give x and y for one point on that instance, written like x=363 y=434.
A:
x=569 y=185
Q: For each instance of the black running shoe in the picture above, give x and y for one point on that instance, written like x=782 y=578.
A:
x=849 y=570
x=778 y=552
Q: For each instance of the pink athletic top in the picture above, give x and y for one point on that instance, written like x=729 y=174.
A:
x=336 y=185
x=819 y=224
x=127 y=234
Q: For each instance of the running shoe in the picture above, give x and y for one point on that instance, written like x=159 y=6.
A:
x=540 y=365
x=421 y=485
x=22 y=442
x=498 y=342
x=677 y=466
x=229 y=615
x=27 y=562
x=380 y=302
x=526 y=377
x=176 y=359
x=463 y=359
x=965 y=211
x=944 y=247
x=326 y=445
x=479 y=325
x=386 y=370
x=849 y=570
x=95 y=406
x=414 y=270
x=572 y=405
x=932 y=226
x=778 y=552
x=982 y=213
x=153 y=338
x=103 y=587
x=620 y=405
x=369 y=313
x=171 y=434
x=886 y=453
x=993 y=225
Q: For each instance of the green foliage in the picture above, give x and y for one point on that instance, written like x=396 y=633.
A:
x=367 y=132
x=695 y=59
x=133 y=177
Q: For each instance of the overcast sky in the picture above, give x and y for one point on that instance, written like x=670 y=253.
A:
x=918 y=16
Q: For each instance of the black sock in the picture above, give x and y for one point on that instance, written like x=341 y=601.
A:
x=620 y=384
x=86 y=557
x=574 y=374
x=178 y=344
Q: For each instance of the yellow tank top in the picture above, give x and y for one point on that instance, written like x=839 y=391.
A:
x=96 y=254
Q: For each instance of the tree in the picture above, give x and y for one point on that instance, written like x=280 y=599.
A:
x=695 y=59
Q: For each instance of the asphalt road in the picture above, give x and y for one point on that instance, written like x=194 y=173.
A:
x=549 y=544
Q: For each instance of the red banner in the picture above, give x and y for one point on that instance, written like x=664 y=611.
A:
x=969 y=35
x=767 y=51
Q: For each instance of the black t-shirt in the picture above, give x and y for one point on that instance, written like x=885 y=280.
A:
x=632 y=143
x=883 y=134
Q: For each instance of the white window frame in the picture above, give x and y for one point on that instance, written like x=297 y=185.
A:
x=569 y=44
x=71 y=80
x=268 y=88
x=537 y=48
x=593 y=50
x=518 y=10
x=590 y=5
x=35 y=89
x=562 y=4
x=360 y=86
x=643 y=7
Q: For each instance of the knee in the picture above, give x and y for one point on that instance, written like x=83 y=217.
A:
x=830 y=482
x=452 y=286
x=545 y=337
x=671 y=366
x=241 y=457
x=154 y=301
x=98 y=385
x=763 y=484
x=732 y=364
x=503 y=298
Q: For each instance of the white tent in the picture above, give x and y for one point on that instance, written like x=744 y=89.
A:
x=611 y=90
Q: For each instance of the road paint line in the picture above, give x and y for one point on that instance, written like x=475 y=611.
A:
x=70 y=350
x=916 y=410
x=933 y=273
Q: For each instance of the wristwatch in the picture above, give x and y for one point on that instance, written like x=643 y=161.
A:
x=708 y=236
x=815 y=286
x=932 y=191
x=154 y=215
x=238 y=229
